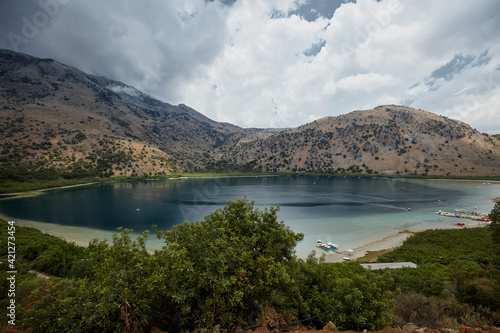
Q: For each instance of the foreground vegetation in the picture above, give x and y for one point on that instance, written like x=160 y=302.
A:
x=237 y=269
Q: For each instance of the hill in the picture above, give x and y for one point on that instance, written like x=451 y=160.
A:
x=56 y=116
x=57 y=121
x=388 y=139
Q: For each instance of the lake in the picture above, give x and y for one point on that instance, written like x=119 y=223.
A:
x=347 y=211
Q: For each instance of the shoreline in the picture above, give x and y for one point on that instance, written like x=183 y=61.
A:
x=81 y=236
x=64 y=232
x=388 y=243
x=33 y=193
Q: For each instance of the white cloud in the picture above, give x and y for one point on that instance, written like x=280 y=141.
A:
x=124 y=90
x=259 y=63
x=374 y=53
x=366 y=82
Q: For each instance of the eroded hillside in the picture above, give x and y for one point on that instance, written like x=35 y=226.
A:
x=386 y=140
x=56 y=116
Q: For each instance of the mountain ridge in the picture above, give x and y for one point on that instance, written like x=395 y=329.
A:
x=388 y=139
x=66 y=101
x=58 y=118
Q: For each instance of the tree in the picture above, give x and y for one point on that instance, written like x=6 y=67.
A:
x=350 y=296
x=115 y=297
x=233 y=260
x=495 y=222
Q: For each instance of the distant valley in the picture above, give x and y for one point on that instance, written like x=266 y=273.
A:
x=57 y=121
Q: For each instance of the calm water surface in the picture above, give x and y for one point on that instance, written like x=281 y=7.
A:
x=346 y=211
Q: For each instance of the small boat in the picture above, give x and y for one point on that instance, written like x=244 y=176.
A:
x=465 y=214
x=332 y=246
x=346 y=259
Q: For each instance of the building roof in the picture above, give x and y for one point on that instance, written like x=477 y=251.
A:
x=389 y=265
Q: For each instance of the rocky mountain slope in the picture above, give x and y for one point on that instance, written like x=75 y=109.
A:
x=57 y=114
x=386 y=140
x=64 y=122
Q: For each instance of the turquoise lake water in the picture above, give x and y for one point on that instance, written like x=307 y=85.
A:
x=347 y=211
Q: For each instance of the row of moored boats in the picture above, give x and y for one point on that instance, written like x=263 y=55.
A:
x=466 y=214
x=332 y=247
x=327 y=246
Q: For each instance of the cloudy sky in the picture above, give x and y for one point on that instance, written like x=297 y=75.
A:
x=278 y=63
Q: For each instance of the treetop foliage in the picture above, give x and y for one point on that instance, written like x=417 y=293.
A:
x=495 y=222
x=236 y=257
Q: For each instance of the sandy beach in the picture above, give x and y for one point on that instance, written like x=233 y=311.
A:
x=388 y=243
x=81 y=236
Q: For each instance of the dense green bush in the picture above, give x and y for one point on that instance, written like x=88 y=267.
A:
x=355 y=298
x=444 y=246
x=46 y=253
x=429 y=280
x=234 y=267
x=463 y=264
x=495 y=223
x=237 y=268
x=109 y=297
x=232 y=262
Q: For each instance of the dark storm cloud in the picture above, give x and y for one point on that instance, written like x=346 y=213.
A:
x=10 y=17
x=148 y=46
x=24 y=21
x=313 y=9
x=224 y=2
x=455 y=66
x=315 y=48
